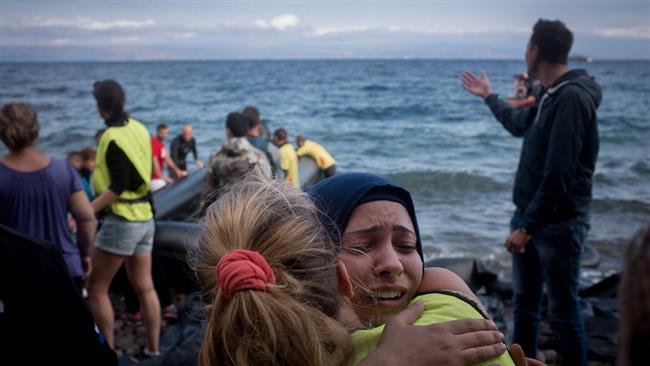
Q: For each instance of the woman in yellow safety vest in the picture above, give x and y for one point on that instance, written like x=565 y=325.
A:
x=121 y=181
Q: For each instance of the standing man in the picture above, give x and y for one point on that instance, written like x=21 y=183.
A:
x=160 y=157
x=288 y=157
x=316 y=151
x=552 y=191
x=254 y=135
x=181 y=146
x=263 y=130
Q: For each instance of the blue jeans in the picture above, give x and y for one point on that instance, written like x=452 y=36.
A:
x=552 y=257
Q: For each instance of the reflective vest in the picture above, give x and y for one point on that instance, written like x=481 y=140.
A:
x=133 y=139
x=289 y=162
x=317 y=152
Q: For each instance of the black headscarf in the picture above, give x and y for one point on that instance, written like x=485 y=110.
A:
x=337 y=197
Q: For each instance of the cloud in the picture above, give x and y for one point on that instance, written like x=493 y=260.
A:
x=632 y=32
x=186 y=35
x=85 y=23
x=280 y=23
x=335 y=30
x=127 y=40
x=61 y=42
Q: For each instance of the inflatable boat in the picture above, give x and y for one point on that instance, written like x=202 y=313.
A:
x=180 y=200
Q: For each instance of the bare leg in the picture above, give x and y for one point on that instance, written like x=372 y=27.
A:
x=138 y=268
x=105 y=265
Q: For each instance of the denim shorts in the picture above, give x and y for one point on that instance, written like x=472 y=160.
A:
x=122 y=237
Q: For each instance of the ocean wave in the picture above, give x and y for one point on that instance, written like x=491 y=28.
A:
x=446 y=181
x=50 y=90
x=383 y=113
x=613 y=205
x=641 y=168
x=375 y=87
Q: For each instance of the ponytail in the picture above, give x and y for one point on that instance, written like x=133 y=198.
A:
x=284 y=316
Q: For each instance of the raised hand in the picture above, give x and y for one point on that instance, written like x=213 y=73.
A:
x=478 y=87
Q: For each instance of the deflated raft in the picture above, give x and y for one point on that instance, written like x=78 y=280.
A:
x=180 y=200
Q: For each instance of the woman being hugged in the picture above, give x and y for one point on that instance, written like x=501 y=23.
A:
x=269 y=279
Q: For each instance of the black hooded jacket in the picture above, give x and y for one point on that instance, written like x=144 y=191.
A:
x=558 y=156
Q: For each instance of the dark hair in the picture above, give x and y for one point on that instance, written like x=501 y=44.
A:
x=280 y=134
x=238 y=124
x=161 y=126
x=553 y=39
x=110 y=97
x=73 y=153
x=87 y=153
x=253 y=114
x=18 y=126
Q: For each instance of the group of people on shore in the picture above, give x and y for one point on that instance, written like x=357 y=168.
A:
x=334 y=275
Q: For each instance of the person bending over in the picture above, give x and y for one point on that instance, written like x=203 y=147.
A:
x=316 y=151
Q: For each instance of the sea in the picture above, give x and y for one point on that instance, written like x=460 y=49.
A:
x=407 y=120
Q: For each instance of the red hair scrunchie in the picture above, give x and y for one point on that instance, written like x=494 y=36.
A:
x=242 y=270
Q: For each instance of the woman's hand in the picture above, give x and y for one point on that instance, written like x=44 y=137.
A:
x=455 y=343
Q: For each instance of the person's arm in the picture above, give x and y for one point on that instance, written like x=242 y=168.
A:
x=565 y=143
x=84 y=216
x=285 y=163
x=118 y=168
x=515 y=121
x=172 y=166
x=456 y=343
x=197 y=162
x=174 y=150
x=522 y=103
x=193 y=148
x=157 y=169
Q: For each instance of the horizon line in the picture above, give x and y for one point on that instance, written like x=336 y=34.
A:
x=299 y=59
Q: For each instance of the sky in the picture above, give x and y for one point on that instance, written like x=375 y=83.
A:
x=120 y=30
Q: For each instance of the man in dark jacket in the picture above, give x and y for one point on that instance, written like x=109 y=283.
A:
x=553 y=185
x=181 y=146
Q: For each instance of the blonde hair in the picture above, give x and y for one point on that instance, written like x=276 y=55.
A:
x=292 y=322
x=18 y=126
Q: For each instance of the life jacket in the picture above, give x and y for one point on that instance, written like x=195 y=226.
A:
x=289 y=162
x=133 y=139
